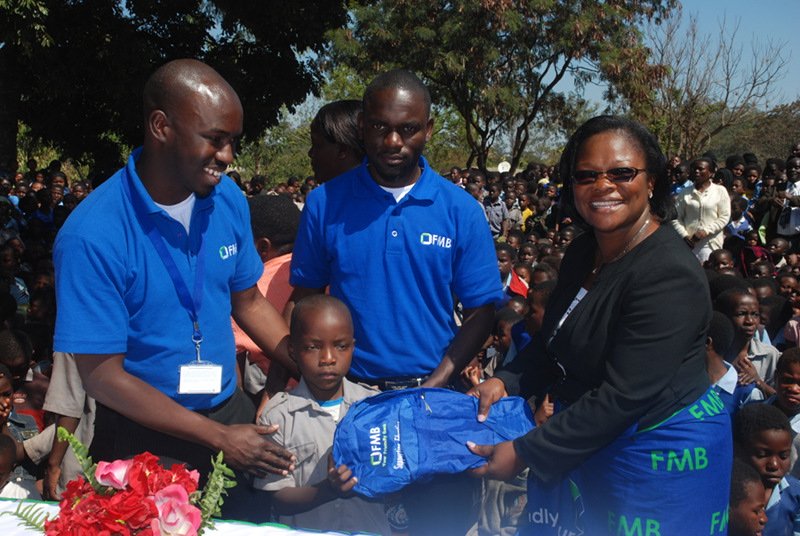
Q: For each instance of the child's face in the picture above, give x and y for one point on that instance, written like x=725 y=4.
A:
x=786 y=284
x=527 y=254
x=510 y=198
x=760 y=271
x=737 y=187
x=720 y=261
x=748 y=517
x=769 y=452
x=746 y=315
x=513 y=241
x=504 y=264
x=751 y=239
x=323 y=351
x=502 y=337
x=752 y=176
x=524 y=273
x=533 y=322
x=787 y=384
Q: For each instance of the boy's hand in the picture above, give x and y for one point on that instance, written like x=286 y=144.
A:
x=471 y=375
x=340 y=479
x=544 y=411
x=747 y=371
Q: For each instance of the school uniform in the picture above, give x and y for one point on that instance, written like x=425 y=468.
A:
x=783 y=509
x=306 y=429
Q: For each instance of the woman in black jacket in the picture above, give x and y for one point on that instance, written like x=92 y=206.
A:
x=640 y=439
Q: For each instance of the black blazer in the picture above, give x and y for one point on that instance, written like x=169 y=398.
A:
x=633 y=349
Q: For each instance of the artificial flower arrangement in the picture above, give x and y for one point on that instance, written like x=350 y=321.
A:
x=132 y=497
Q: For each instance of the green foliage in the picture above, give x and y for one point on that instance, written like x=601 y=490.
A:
x=220 y=480
x=82 y=93
x=32 y=515
x=499 y=64
x=81 y=452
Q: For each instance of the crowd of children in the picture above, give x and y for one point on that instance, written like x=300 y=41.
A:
x=753 y=354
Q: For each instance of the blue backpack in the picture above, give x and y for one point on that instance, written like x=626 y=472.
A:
x=398 y=437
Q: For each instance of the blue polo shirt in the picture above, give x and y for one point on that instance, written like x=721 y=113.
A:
x=397 y=266
x=115 y=295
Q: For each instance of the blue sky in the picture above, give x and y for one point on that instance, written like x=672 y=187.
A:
x=758 y=20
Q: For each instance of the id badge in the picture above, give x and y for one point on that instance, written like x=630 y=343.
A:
x=200 y=378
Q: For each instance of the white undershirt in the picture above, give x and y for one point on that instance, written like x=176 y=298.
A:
x=180 y=212
x=399 y=193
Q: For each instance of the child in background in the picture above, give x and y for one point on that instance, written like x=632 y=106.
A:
x=739 y=224
x=524 y=271
x=315 y=494
x=747 y=505
x=528 y=253
x=15 y=482
x=787 y=397
x=719 y=259
x=512 y=283
x=753 y=360
x=763 y=438
x=751 y=253
x=722 y=375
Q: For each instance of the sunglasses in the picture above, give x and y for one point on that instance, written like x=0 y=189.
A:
x=589 y=176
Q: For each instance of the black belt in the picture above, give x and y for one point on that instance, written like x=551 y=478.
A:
x=390 y=384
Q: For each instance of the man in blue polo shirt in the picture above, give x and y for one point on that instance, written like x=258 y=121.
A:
x=150 y=268
x=398 y=244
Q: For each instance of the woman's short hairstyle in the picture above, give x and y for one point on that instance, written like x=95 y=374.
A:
x=338 y=123
x=655 y=162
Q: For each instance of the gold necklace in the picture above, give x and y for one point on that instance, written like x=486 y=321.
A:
x=625 y=250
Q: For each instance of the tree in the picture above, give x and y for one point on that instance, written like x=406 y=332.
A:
x=767 y=134
x=710 y=85
x=500 y=63
x=83 y=91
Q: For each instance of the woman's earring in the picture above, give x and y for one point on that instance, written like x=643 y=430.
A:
x=650 y=194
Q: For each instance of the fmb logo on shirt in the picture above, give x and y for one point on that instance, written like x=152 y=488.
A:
x=429 y=239
x=227 y=251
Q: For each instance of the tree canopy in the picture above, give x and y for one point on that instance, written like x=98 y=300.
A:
x=73 y=71
x=500 y=63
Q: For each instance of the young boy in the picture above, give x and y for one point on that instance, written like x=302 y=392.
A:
x=722 y=375
x=787 y=398
x=763 y=438
x=315 y=494
x=747 y=505
x=753 y=360
x=14 y=483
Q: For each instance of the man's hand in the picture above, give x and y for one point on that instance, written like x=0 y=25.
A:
x=502 y=462
x=487 y=394
x=246 y=447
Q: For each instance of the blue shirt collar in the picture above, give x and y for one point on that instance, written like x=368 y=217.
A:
x=424 y=188
x=140 y=197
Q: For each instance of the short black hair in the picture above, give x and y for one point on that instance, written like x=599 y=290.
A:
x=398 y=79
x=727 y=300
x=790 y=356
x=276 y=218
x=721 y=332
x=742 y=474
x=503 y=246
x=14 y=343
x=337 y=121
x=755 y=418
x=661 y=204
x=720 y=284
x=315 y=301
